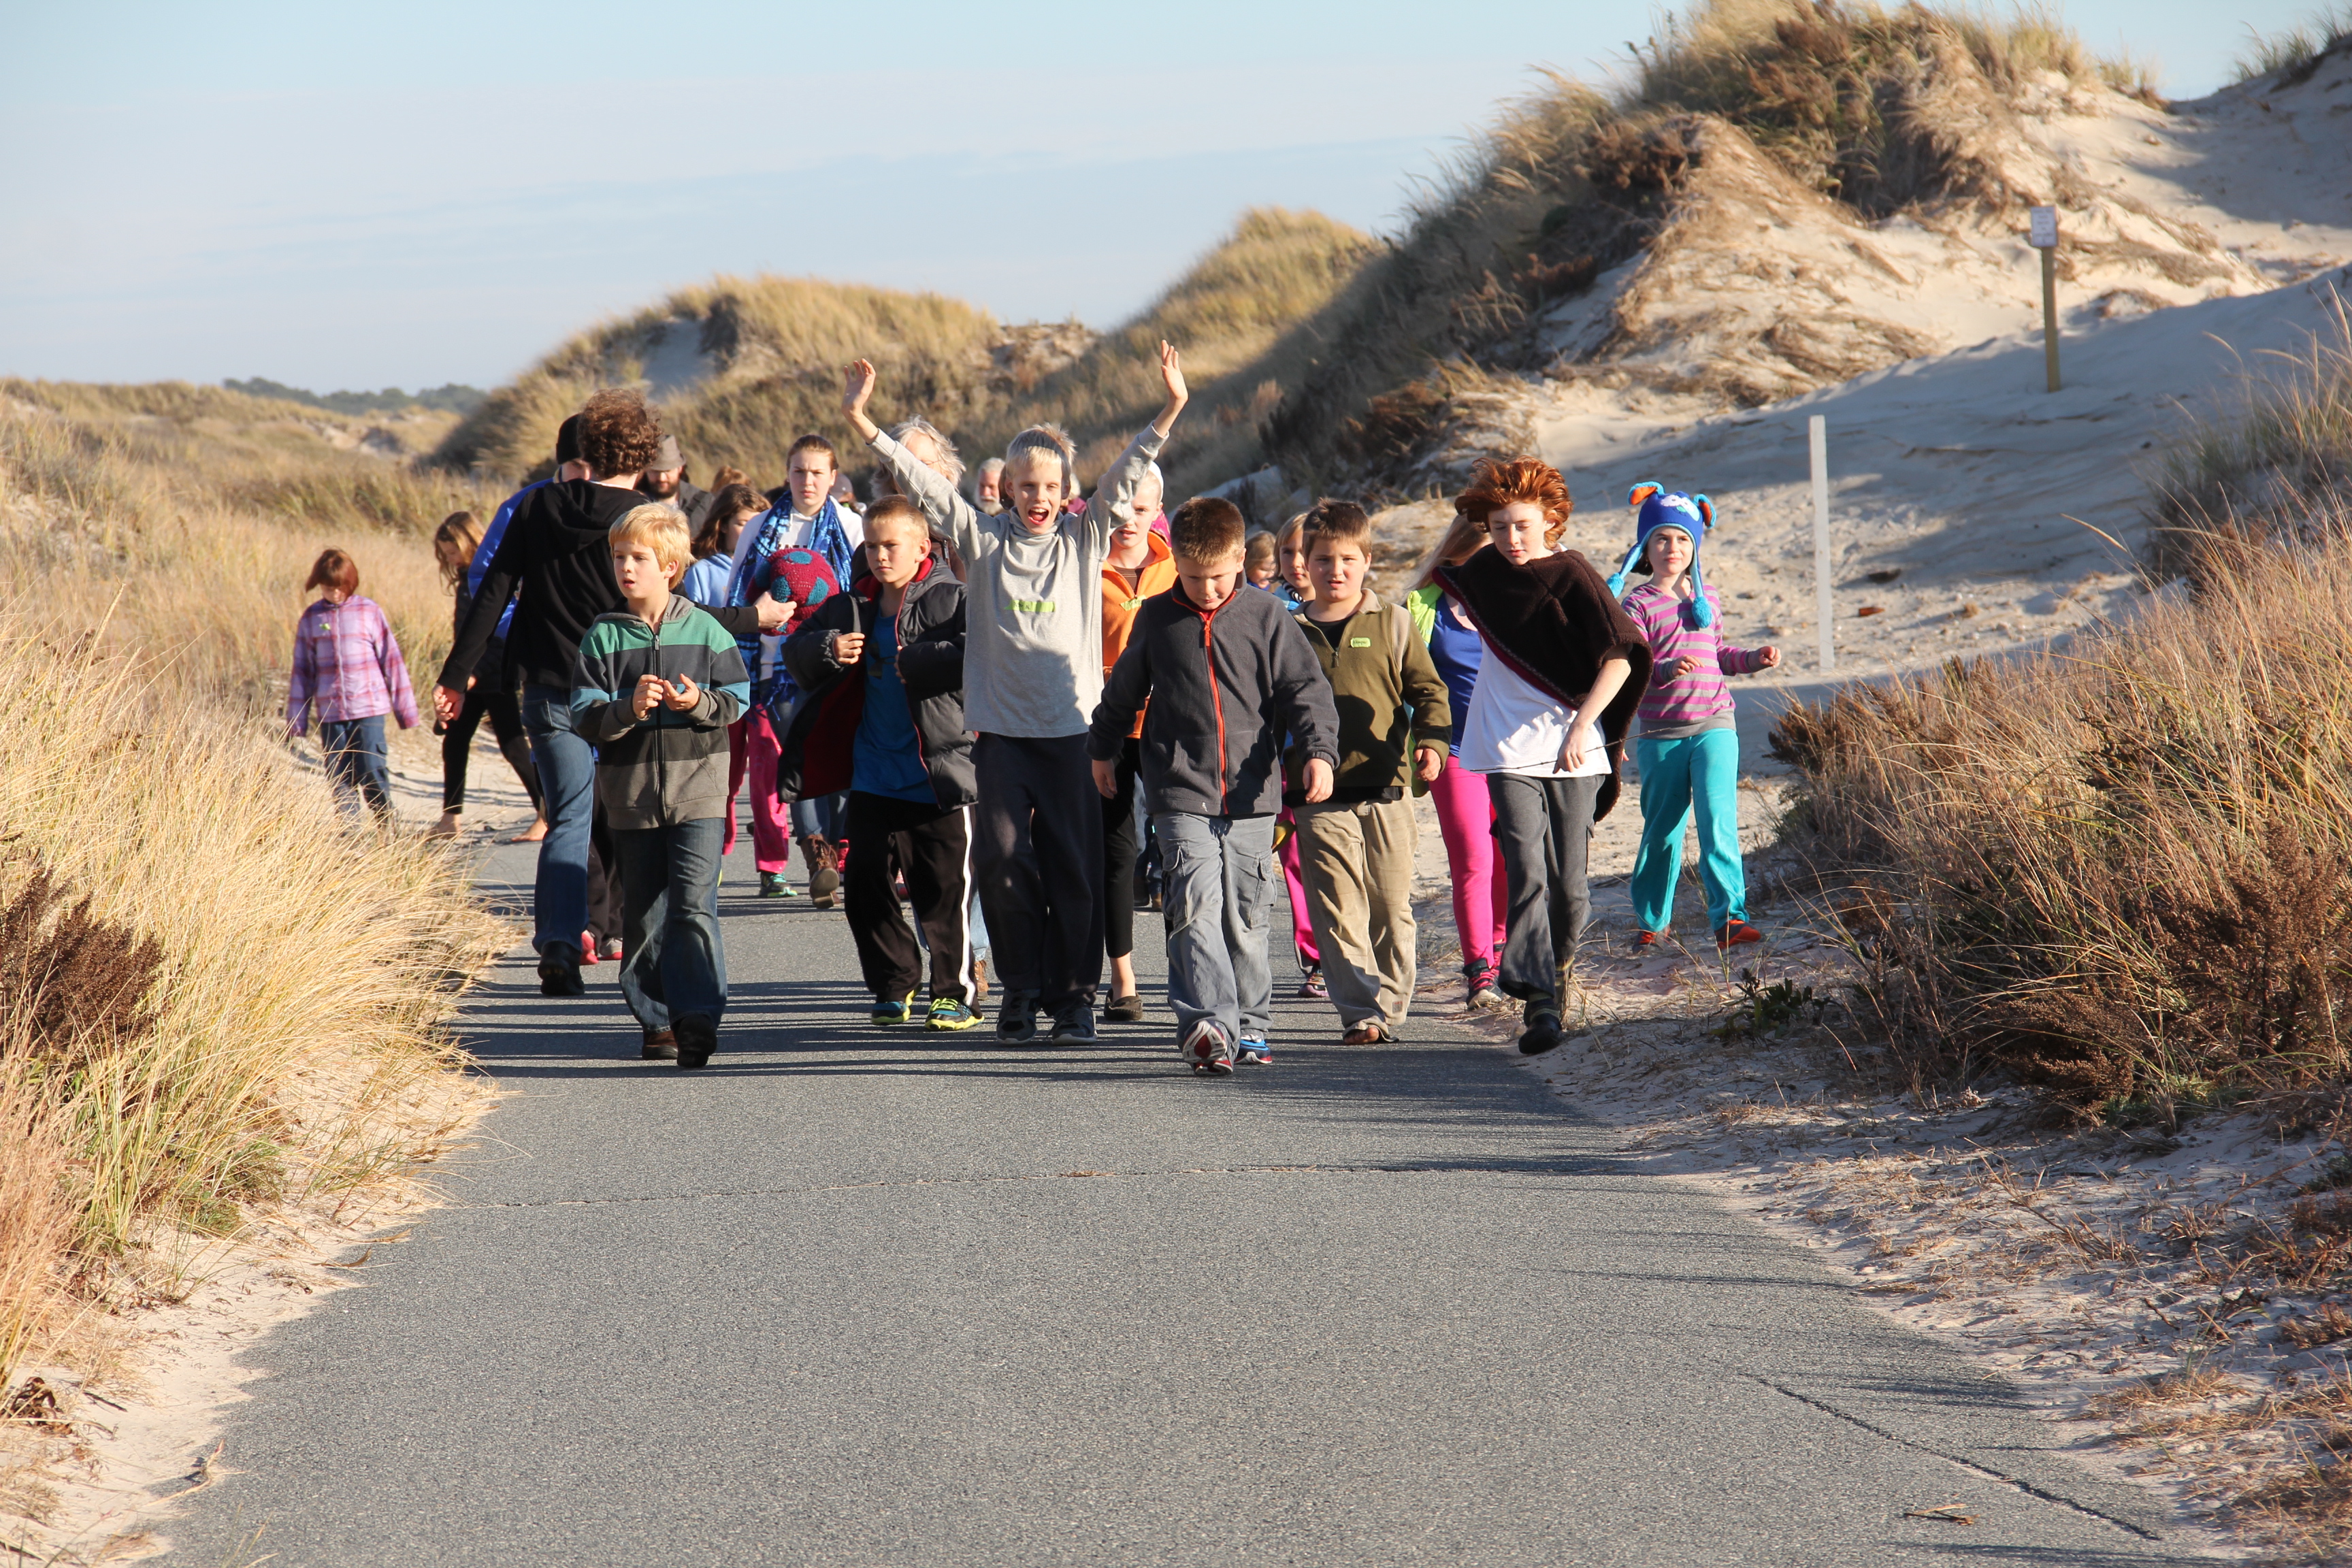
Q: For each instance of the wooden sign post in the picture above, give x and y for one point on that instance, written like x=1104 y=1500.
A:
x=2044 y=237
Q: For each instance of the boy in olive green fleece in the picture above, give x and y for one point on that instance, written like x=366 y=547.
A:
x=654 y=690
x=1356 y=849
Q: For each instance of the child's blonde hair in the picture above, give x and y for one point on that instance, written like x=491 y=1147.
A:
x=1046 y=439
x=661 y=528
x=462 y=533
x=1258 y=553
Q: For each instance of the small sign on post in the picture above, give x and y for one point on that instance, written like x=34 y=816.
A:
x=1818 y=428
x=2042 y=235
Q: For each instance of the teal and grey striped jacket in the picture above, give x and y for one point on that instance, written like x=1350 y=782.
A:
x=668 y=767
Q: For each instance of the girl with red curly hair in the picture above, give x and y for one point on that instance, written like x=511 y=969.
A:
x=1561 y=670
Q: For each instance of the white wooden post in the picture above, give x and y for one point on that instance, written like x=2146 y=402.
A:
x=1820 y=429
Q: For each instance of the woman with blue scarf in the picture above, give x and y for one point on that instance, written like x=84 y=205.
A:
x=808 y=519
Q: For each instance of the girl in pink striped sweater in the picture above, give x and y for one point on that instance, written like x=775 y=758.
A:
x=1687 y=750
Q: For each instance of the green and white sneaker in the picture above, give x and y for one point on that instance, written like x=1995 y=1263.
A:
x=886 y=1012
x=947 y=1012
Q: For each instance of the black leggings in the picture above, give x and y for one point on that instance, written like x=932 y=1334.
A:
x=1118 y=856
x=484 y=701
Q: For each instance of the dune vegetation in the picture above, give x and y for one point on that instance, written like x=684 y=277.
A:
x=2123 y=868
x=1318 y=347
x=763 y=358
x=1879 y=110
x=218 y=997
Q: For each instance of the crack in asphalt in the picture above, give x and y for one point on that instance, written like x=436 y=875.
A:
x=2028 y=1487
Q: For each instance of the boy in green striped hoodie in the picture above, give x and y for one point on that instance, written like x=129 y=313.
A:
x=654 y=690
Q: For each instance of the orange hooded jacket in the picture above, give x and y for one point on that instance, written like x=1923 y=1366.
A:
x=1119 y=603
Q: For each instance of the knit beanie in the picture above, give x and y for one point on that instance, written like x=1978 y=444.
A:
x=1656 y=507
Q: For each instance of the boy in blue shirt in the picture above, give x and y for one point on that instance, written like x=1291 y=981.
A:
x=882 y=666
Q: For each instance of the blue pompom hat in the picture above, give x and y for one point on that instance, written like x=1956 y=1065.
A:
x=1658 y=507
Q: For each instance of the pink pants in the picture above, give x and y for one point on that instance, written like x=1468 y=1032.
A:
x=752 y=747
x=1302 y=929
x=1465 y=818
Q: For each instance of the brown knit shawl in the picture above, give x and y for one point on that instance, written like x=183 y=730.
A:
x=1555 y=622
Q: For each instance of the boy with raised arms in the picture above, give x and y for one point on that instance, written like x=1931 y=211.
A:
x=1032 y=677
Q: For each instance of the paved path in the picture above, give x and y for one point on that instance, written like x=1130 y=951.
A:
x=854 y=1296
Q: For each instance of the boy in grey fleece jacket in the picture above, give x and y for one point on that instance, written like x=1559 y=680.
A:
x=1033 y=674
x=1226 y=675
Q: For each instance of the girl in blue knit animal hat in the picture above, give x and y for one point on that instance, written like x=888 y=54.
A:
x=1687 y=750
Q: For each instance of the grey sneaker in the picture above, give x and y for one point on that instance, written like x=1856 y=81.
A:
x=1016 y=1019
x=1206 y=1048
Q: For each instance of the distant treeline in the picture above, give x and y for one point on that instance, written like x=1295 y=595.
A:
x=457 y=399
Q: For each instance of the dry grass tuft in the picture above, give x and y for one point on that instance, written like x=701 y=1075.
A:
x=2121 y=870
x=2276 y=471
x=2290 y=57
x=257 y=1015
x=2188 y=1386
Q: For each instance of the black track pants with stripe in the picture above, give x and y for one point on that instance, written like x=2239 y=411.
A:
x=932 y=846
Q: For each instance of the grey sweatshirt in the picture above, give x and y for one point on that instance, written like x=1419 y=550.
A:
x=1033 y=651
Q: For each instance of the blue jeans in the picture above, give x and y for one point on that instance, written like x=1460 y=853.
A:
x=674 y=965
x=1698 y=771
x=824 y=816
x=1216 y=880
x=356 y=764
x=567 y=779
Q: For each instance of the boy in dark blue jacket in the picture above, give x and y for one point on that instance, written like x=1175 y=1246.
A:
x=1226 y=675
x=881 y=668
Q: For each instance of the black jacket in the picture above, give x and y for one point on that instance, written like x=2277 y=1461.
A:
x=819 y=740
x=557 y=551
x=1224 y=687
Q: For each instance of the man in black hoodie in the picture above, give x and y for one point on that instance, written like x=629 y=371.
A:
x=557 y=551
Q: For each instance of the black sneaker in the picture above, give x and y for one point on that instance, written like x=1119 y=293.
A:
x=1016 y=1019
x=1074 y=1025
x=1543 y=1031
x=559 y=970
x=698 y=1036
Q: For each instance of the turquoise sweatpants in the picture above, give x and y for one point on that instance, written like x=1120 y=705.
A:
x=1700 y=770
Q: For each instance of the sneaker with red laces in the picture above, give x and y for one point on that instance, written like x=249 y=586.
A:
x=1649 y=939
x=1736 y=932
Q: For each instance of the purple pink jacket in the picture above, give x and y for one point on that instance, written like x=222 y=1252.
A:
x=1684 y=701
x=347 y=664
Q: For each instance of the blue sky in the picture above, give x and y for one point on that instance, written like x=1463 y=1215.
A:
x=361 y=196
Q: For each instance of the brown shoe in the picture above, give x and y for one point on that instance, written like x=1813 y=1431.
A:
x=1367 y=1033
x=978 y=978
x=661 y=1046
x=824 y=863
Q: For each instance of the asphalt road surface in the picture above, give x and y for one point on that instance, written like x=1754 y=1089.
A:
x=854 y=1295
